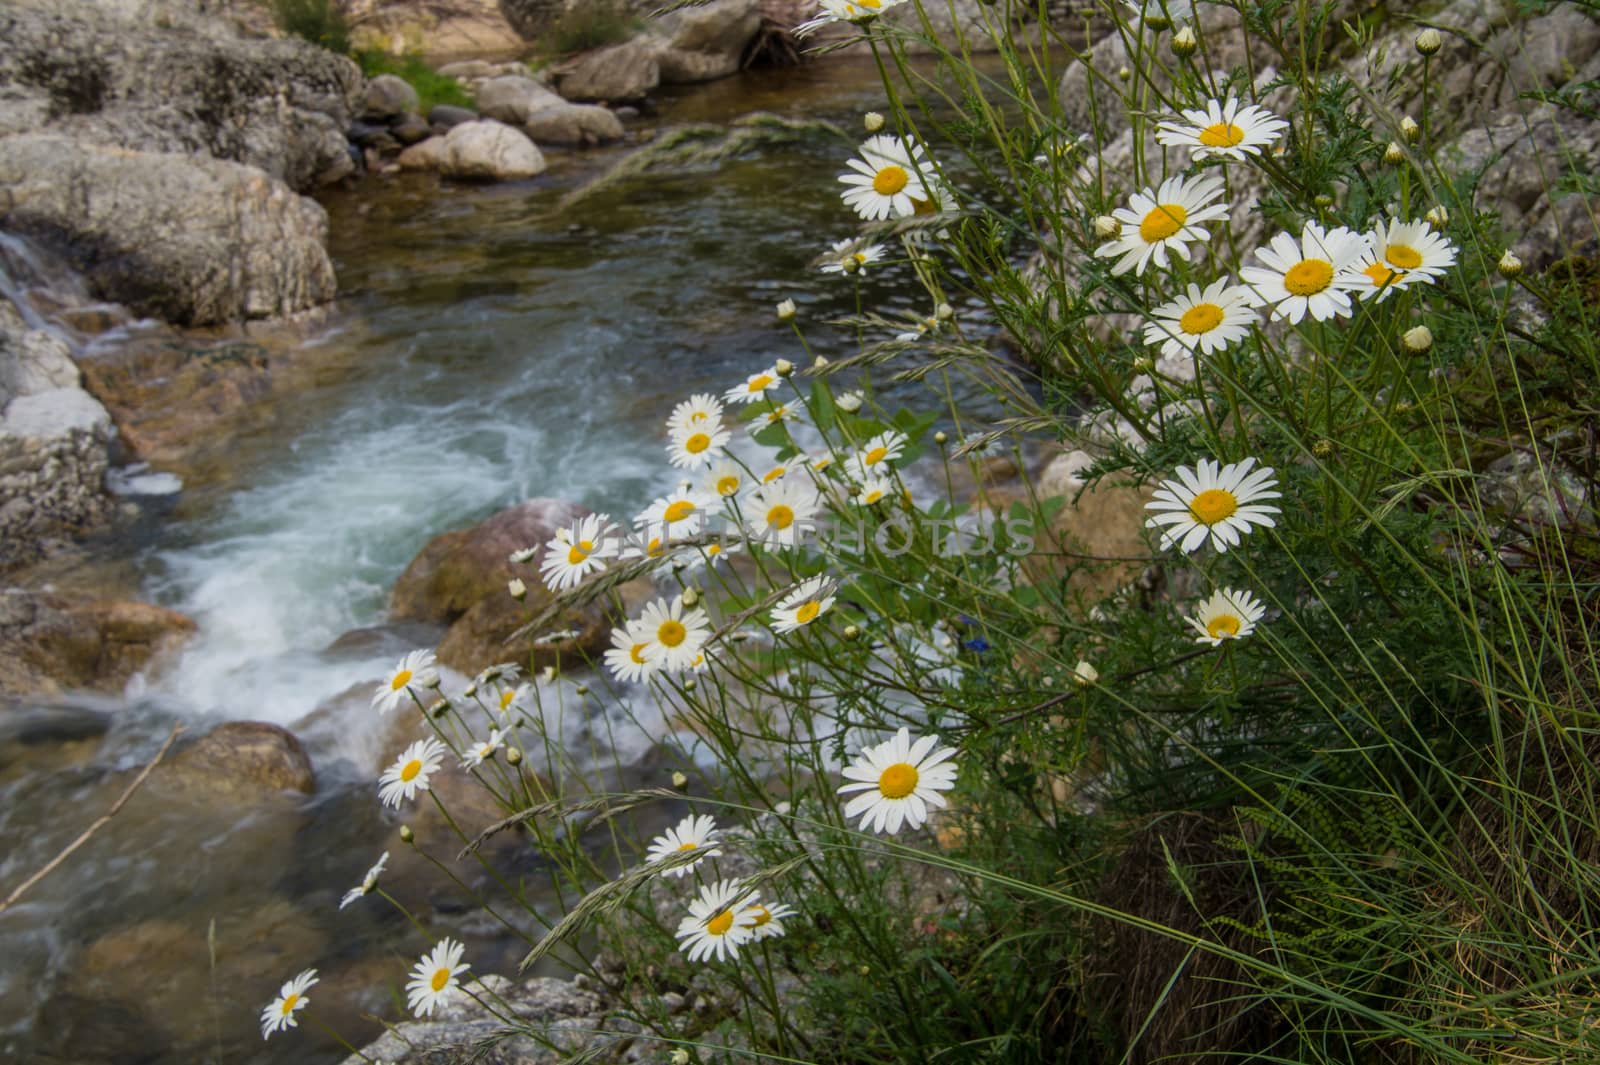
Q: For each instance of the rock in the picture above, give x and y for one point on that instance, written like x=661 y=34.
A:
x=531 y=18
x=705 y=41
x=32 y=360
x=411 y=128
x=446 y=115
x=511 y=99
x=460 y=579
x=195 y=241
x=241 y=762
x=388 y=96
x=425 y=155
x=622 y=73
x=467 y=70
x=49 y=644
x=1098 y=538
x=573 y=124
x=438 y=30
x=565 y=1022
x=362 y=133
x=82 y=70
x=489 y=151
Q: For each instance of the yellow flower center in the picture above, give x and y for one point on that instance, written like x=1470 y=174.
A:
x=671 y=633
x=780 y=517
x=1221 y=135
x=579 y=551
x=898 y=781
x=924 y=207
x=1308 y=277
x=773 y=474
x=875 y=456
x=689 y=846
x=872 y=496
x=727 y=486
x=759 y=383
x=401 y=679
x=1403 y=255
x=1223 y=626
x=288 y=1003
x=762 y=915
x=636 y=652
x=440 y=978
x=698 y=416
x=808 y=610
x=890 y=180
x=1212 y=506
x=721 y=923
x=409 y=771
x=872 y=4
x=1163 y=222
x=697 y=443
x=859 y=258
x=678 y=511
x=1201 y=318
x=506 y=697
x=1381 y=275
x=654 y=548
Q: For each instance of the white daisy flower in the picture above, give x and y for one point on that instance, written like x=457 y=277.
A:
x=875 y=456
x=768 y=919
x=849 y=250
x=843 y=11
x=519 y=697
x=724 y=480
x=1402 y=254
x=630 y=656
x=1226 y=129
x=676 y=637
x=888 y=180
x=781 y=513
x=678 y=513
x=410 y=772
x=775 y=413
x=279 y=1013
x=1159 y=14
x=1313 y=274
x=368 y=883
x=1212 y=501
x=697 y=447
x=414 y=673
x=1207 y=320
x=578 y=550
x=482 y=752
x=697 y=412
x=899 y=781
x=433 y=981
x=755 y=386
x=719 y=921
x=873 y=490
x=1165 y=219
x=782 y=469
x=810 y=599
x=1227 y=615
x=706 y=555
x=691 y=834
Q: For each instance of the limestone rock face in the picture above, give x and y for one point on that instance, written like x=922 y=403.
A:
x=195 y=241
x=49 y=644
x=101 y=76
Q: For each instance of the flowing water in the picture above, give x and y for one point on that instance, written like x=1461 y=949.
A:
x=489 y=346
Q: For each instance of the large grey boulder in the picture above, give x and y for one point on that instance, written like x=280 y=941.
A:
x=195 y=241
x=706 y=41
x=619 y=74
x=388 y=96
x=511 y=99
x=188 y=87
x=489 y=151
x=543 y=115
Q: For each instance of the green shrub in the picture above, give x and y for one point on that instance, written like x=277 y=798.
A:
x=322 y=22
x=589 y=25
x=432 y=87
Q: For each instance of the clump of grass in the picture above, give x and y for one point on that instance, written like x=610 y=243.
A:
x=432 y=87
x=322 y=22
x=587 y=26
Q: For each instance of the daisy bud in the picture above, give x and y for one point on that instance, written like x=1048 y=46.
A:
x=1084 y=673
x=1185 y=43
x=850 y=402
x=873 y=121
x=1124 y=74
x=1322 y=448
x=581 y=689
x=1437 y=217
x=1509 y=265
x=852 y=632
x=440 y=708
x=518 y=590
x=433 y=680
x=525 y=555
x=681 y=1056
x=689 y=684
x=784 y=367
x=679 y=780
x=1157 y=20
x=864 y=970
x=1107 y=228
x=944 y=312
x=820 y=363
x=1429 y=42
x=470 y=690
x=786 y=310
x=1394 y=154
x=1409 y=129
x=941 y=438
x=738 y=637
x=850 y=264
x=406 y=835
x=1322 y=202
x=1144 y=364
x=549 y=674
x=1417 y=339
x=513 y=756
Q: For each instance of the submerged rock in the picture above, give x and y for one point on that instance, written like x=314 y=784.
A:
x=50 y=644
x=241 y=762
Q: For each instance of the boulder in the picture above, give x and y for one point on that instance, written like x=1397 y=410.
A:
x=573 y=124
x=411 y=128
x=511 y=99
x=460 y=578
x=705 y=41
x=241 y=762
x=85 y=70
x=1098 y=538
x=489 y=151
x=195 y=241
x=622 y=73
x=388 y=96
x=425 y=155
x=447 y=116
x=49 y=644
